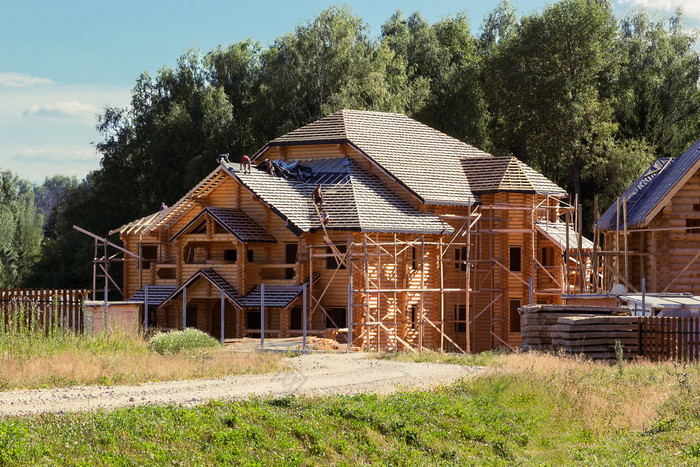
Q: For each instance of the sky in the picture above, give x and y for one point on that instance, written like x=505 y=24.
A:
x=62 y=63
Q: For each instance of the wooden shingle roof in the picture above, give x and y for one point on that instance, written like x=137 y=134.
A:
x=556 y=232
x=653 y=189
x=492 y=174
x=234 y=221
x=353 y=198
x=422 y=159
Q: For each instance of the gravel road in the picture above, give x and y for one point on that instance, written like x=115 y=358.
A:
x=314 y=374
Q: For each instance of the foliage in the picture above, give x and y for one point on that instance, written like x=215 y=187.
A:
x=656 y=95
x=20 y=229
x=174 y=342
x=532 y=410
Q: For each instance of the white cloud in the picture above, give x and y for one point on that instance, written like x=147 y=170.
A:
x=57 y=155
x=63 y=108
x=39 y=162
x=19 y=80
x=691 y=8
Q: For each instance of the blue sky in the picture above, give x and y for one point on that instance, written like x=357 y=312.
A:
x=61 y=63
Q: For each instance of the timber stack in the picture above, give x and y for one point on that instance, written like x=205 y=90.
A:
x=588 y=330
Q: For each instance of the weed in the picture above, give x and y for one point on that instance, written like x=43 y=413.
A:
x=174 y=342
x=619 y=357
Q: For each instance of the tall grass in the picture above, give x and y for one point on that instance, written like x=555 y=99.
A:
x=27 y=331
x=37 y=351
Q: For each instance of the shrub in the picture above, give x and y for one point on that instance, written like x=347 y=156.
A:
x=174 y=342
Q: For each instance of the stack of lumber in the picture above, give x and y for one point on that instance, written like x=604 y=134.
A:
x=591 y=331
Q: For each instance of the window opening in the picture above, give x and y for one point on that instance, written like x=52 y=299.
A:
x=514 y=316
x=515 y=259
x=331 y=261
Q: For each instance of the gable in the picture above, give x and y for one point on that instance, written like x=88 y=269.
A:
x=233 y=221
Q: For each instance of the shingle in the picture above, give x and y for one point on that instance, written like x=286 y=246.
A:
x=556 y=231
x=234 y=221
x=426 y=161
x=493 y=174
x=648 y=190
x=276 y=295
x=157 y=294
x=353 y=198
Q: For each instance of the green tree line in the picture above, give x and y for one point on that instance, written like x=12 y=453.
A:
x=587 y=98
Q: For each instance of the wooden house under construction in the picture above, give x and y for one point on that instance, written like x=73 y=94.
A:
x=652 y=232
x=413 y=240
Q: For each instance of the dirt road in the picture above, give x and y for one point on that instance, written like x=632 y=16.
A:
x=309 y=374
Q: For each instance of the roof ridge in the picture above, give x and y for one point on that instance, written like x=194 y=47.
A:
x=521 y=168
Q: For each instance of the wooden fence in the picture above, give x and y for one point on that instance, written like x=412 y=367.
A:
x=43 y=307
x=669 y=338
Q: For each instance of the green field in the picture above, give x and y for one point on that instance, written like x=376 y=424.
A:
x=532 y=409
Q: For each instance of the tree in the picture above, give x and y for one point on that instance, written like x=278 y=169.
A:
x=657 y=94
x=442 y=60
x=20 y=229
x=302 y=72
x=543 y=88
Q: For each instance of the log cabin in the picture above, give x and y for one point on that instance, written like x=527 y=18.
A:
x=652 y=232
x=418 y=241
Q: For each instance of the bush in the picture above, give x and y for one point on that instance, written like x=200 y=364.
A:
x=174 y=342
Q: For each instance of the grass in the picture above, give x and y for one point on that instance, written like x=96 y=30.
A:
x=33 y=356
x=533 y=409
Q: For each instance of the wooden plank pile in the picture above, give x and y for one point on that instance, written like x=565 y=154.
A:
x=587 y=330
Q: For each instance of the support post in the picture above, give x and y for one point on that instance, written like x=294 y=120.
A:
x=303 y=318
x=422 y=286
x=596 y=240
x=617 y=242
x=529 y=302
x=442 y=297
x=184 y=307
x=145 y=311
x=624 y=214
x=94 y=274
x=262 y=316
x=579 y=240
x=467 y=286
x=348 y=250
x=566 y=254
x=106 y=297
x=644 y=296
x=349 y=317
x=222 y=317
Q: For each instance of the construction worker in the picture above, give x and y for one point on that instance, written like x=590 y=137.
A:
x=318 y=197
x=245 y=165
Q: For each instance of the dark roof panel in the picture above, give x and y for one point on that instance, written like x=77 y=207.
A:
x=650 y=189
x=157 y=294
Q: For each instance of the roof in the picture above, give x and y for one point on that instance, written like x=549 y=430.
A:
x=234 y=221
x=276 y=295
x=157 y=294
x=492 y=174
x=353 y=198
x=139 y=225
x=556 y=232
x=651 y=191
x=424 y=160
x=168 y=216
